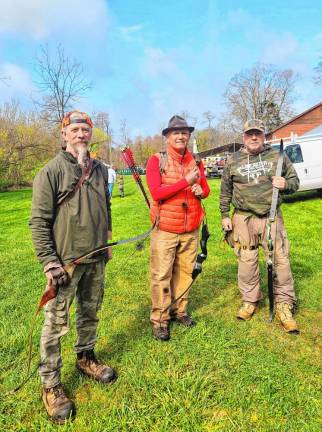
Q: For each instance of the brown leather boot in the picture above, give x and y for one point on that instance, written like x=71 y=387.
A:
x=246 y=311
x=58 y=406
x=185 y=321
x=161 y=333
x=284 y=314
x=88 y=364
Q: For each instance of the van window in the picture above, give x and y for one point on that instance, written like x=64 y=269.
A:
x=294 y=153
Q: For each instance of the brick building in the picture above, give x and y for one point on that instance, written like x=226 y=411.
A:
x=299 y=125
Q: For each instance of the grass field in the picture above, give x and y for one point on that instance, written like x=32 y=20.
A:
x=222 y=375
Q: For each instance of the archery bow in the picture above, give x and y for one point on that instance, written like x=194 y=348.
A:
x=270 y=242
x=51 y=290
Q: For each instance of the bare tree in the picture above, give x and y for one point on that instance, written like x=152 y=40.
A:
x=61 y=81
x=25 y=143
x=188 y=117
x=124 y=132
x=261 y=92
x=209 y=117
x=103 y=122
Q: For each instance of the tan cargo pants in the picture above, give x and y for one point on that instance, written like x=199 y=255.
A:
x=249 y=232
x=172 y=260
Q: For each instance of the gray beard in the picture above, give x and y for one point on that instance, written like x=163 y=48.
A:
x=82 y=157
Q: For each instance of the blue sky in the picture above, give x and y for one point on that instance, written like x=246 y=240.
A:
x=149 y=60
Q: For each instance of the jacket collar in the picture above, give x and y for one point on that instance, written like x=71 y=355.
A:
x=266 y=148
x=179 y=157
x=68 y=156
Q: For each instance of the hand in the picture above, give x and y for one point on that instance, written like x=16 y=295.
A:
x=55 y=274
x=279 y=182
x=197 y=190
x=109 y=254
x=227 y=224
x=192 y=175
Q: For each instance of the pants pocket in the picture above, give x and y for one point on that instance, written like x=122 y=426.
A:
x=285 y=243
x=236 y=244
x=57 y=311
x=100 y=298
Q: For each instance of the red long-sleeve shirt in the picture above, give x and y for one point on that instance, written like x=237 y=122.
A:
x=160 y=192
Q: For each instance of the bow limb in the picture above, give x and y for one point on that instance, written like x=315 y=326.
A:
x=270 y=241
x=108 y=245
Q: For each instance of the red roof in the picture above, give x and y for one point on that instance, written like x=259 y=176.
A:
x=294 y=118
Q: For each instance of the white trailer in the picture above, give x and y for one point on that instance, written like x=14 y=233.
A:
x=305 y=152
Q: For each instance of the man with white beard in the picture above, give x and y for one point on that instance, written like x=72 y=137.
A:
x=71 y=216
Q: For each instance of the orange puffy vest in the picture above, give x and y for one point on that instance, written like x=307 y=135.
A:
x=182 y=212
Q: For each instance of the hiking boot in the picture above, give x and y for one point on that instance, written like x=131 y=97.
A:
x=185 y=321
x=161 y=333
x=246 y=311
x=88 y=364
x=284 y=314
x=58 y=406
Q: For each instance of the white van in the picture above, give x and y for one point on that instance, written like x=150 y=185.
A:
x=305 y=152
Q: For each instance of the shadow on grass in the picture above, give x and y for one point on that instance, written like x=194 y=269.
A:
x=217 y=287
x=127 y=194
x=302 y=196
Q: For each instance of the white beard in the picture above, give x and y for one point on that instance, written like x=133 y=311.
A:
x=82 y=157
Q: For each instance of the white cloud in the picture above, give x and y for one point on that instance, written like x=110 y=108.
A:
x=126 y=31
x=158 y=64
x=19 y=80
x=280 y=48
x=18 y=85
x=41 y=18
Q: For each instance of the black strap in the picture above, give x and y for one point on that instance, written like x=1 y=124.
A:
x=79 y=184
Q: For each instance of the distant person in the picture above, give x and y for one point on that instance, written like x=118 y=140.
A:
x=111 y=180
x=177 y=185
x=120 y=183
x=247 y=183
x=71 y=216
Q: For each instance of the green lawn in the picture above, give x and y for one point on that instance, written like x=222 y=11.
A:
x=222 y=375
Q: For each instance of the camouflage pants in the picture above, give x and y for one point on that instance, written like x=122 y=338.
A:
x=248 y=234
x=87 y=285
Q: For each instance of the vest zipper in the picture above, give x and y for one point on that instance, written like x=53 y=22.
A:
x=185 y=204
x=185 y=212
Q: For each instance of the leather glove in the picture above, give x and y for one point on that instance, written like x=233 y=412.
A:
x=55 y=274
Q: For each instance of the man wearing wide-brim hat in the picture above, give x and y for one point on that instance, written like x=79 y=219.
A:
x=177 y=184
x=247 y=183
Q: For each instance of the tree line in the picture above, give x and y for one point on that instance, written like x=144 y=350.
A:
x=28 y=139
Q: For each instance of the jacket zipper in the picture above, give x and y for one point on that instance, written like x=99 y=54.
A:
x=185 y=212
x=185 y=203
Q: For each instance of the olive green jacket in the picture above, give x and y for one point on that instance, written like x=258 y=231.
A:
x=65 y=232
x=246 y=181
